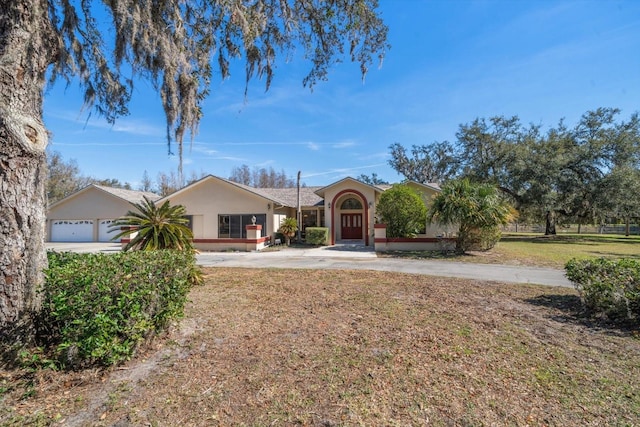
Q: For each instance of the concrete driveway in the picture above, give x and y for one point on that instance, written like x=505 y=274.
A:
x=355 y=257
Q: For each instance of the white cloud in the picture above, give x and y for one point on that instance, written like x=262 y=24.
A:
x=123 y=125
x=343 y=172
x=344 y=144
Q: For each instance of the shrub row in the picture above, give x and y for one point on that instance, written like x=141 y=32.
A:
x=608 y=287
x=97 y=308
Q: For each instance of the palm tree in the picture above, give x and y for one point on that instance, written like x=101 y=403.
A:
x=288 y=227
x=475 y=208
x=163 y=227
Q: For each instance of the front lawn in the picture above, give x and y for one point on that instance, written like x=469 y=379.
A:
x=329 y=348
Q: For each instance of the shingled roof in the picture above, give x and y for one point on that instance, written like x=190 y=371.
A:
x=131 y=196
x=289 y=196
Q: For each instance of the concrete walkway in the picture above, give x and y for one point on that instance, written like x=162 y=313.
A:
x=348 y=256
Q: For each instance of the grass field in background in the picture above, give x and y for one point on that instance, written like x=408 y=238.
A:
x=532 y=249
x=555 y=251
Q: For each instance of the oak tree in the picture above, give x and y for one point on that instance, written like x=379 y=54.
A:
x=178 y=46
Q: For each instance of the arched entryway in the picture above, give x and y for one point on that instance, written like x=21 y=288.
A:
x=349 y=217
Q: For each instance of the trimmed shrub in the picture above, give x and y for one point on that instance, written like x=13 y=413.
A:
x=98 y=308
x=401 y=208
x=482 y=239
x=608 y=287
x=317 y=236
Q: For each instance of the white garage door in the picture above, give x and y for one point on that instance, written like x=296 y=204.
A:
x=71 y=230
x=105 y=233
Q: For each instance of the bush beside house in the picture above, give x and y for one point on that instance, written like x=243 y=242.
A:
x=402 y=210
x=317 y=236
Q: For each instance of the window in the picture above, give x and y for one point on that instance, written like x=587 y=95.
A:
x=223 y=226
x=234 y=226
x=351 y=203
x=309 y=219
x=189 y=223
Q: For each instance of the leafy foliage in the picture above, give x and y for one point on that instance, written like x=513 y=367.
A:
x=435 y=163
x=163 y=227
x=317 y=235
x=401 y=208
x=476 y=208
x=288 y=228
x=371 y=179
x=573 y=174
x=175 y=45
x=608 y=287
x=98 y=308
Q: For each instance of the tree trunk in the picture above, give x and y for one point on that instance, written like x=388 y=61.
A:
x=627 y=226
x=25 y=50
x=550 y=228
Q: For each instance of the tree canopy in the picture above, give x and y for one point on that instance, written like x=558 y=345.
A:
x=578 y=174
x=179 y=46
x=371 y=179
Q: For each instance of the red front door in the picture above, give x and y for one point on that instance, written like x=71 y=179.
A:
x=351 y=226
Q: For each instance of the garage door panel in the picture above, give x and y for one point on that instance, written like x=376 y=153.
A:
x=105 y=233
x=70 y=230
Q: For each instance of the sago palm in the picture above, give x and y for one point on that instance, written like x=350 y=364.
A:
x=288 y=227
x=473 y=207
x=155 y=227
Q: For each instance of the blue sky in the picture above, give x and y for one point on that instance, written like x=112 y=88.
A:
x=450 y=62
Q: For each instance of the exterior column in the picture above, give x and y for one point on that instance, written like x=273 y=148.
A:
x=254 y=237
x=380 y=237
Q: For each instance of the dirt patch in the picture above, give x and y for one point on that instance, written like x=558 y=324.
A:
x=312 y=347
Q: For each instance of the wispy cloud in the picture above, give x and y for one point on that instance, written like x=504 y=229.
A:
x=124 y=125
x=343 y=144
x=313 y=146
x=342 y=171
x=109 y=144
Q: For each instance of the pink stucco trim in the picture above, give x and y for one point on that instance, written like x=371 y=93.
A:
x=366 y=214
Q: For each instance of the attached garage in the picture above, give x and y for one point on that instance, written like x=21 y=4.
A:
x=105 y=232
x=86 y=215
x=72 y=231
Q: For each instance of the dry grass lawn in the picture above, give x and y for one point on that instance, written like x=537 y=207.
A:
x=332 y=348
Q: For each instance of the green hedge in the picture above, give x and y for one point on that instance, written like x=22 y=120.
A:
x=97 y=308
x=482 y=239
x=317 y=235
x=608 y=287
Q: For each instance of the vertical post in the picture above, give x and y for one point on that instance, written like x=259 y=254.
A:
x=298 y=211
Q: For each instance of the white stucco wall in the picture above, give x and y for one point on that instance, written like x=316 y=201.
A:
x=213 y=197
